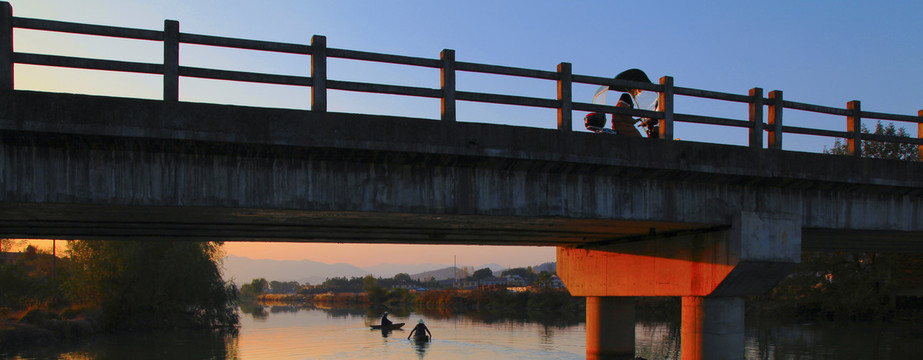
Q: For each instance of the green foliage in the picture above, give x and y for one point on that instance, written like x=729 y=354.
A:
x=254 y=289
x=152 y=283
x=482 y=274
x=376 y=294
x=880 y=150
x=27 y=281
x=284 y=287
x=19 y=289
x=854 y=284
x=544 y=280
x=403 y=277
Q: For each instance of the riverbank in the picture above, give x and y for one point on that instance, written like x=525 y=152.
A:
x=44 y=328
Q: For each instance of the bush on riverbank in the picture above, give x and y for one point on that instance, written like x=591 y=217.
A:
x=43 y=328
x=152 y=284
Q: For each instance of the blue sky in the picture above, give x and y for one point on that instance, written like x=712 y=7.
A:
x=819 y=52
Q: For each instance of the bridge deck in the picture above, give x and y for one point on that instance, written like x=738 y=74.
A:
x=77 y=166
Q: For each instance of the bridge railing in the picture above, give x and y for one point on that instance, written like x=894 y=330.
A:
x=448 y=94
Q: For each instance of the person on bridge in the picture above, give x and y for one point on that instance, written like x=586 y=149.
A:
x=625 y=124
x=385 y=323
x=419 y=331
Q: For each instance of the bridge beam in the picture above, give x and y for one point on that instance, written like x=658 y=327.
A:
x=712 y=271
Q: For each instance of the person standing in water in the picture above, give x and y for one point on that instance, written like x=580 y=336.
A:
x=419 y=331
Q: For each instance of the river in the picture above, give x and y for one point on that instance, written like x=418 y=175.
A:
x=284 y=332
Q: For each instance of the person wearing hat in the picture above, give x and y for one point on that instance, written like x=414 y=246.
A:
x=625 y=124
x=385 y=323
x=419 y=330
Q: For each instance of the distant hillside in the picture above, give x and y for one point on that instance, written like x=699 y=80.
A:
x=242 y=270
x=389 y=270
x=440 y=274
x=449 y=272
x=548 y=266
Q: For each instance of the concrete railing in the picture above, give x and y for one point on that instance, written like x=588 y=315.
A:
x=447 y=93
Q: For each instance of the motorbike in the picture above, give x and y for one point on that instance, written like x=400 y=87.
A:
x=596 y=122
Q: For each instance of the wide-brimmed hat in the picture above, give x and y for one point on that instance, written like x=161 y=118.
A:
x=631 y=75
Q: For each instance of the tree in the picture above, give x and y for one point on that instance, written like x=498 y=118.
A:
x=544 y=280
x=259 y=286
x=403 y=277
x=878 y=149
x=152 y=283
x=375 y=293
x=482 y=274
x=857 y=283
x=286 y=287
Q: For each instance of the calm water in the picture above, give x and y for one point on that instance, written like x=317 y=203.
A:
x=289 y=333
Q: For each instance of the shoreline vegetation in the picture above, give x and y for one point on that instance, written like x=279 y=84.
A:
x=111 y=286
x=547 y=306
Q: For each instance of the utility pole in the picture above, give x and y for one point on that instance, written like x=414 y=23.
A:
x=54 y=260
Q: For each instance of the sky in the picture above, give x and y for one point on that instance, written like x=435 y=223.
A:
x=817 y=52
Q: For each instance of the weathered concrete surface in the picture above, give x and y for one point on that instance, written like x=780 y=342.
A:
x=610 y=328
x=748 y=258
x=712 y=328
x=97 y=167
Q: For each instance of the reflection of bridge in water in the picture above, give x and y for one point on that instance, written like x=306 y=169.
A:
x=630 y=216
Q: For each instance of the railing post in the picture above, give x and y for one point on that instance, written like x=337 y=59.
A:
x=565 y=96
x=775 y=120
x=447 y=81
x=6 y=46
x=920 y=135
x=319 y=74
x=170 y=60
x=666 y=106
x=756 y=118
x=854 y=127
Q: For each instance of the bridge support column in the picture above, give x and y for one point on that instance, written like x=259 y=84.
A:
x=712 y=328
x=712 y=270
x=610 y=328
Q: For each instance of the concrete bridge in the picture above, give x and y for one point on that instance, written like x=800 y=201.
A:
x=630 y=216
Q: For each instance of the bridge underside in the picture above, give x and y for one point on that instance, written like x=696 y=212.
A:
x=119 y=222
x=107 y=222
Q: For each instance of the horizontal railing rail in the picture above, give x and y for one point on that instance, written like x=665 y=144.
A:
x=320 y=83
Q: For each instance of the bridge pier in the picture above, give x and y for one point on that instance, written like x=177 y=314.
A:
x=712 y=328
x=610 y=328
x=712 y=271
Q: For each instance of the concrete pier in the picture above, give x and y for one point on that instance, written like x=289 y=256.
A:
x=711 y=270
x=712 y=328
x=610 y=328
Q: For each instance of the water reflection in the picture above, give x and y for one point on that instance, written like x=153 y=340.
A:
x=297 y=331
x=179 y=344
x=420 y=347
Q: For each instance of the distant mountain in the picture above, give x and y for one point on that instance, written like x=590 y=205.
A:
x=548 y=266
x=389 y=270
x=242 y=270
x=497 y=269
x=439 y=274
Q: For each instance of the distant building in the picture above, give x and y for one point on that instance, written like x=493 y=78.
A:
x=556 y=282
x=515 y=280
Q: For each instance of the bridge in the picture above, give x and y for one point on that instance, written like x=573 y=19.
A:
x=631 y=217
